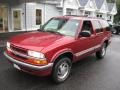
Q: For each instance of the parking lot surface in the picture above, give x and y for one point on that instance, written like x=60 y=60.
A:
x=87 y=74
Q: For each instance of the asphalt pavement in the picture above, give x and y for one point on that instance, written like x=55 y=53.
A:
x=87 y=74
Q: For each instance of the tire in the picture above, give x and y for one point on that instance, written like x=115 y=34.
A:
x=102 y=52
x=114 y=31
x=117 y=32
x=61 y=70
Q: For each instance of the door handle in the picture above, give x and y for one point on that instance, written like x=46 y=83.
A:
x=98 y=36
x=92 y=36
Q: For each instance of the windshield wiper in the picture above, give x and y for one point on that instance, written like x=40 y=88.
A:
x=54 y=32
x=40 y=30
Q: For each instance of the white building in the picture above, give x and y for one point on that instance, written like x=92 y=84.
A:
x=22 y=15
x=111 y=11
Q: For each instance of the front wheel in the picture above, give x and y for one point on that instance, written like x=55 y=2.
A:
x=61 y=70
x=102 y=52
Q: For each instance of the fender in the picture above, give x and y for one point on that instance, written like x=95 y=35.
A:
x=56 y=55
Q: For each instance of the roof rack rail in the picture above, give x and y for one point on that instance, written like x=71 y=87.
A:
x=77 y=15
x=86 y=16
x=96 y=17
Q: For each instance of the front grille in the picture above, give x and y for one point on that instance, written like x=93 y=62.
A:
x=19 y=50
x=18 y=56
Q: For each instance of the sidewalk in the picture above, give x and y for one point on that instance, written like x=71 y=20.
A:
x=5 y=36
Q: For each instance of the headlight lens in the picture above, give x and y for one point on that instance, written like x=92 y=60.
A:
x=36 y=54
x=8 y=44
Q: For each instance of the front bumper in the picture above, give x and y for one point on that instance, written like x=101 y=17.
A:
x=28 y=66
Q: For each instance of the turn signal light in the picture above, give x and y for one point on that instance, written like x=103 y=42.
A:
x=42 y=62
x=38 y=62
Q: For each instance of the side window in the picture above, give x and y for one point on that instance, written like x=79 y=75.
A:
x=105 y=25
x=87 y=26
x=97 y=26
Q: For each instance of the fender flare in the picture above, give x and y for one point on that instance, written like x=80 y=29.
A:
x=63 y=51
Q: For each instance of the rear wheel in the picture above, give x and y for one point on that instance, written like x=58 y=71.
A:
x=61 y=70
x=102 y=52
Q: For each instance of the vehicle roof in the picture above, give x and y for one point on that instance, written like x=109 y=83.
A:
x=76 y=17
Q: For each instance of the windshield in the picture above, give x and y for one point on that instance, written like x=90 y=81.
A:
x=54 y=24
x=61 y=26
x=70 y=28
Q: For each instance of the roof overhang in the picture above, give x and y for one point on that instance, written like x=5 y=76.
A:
x=43 y=1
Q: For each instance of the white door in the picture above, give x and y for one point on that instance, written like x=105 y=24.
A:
x=17 y=19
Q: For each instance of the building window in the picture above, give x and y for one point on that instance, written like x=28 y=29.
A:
x=38 y=16
x=69 y=13
x=110 y=17
x=97 y=15
x=60 y=12
x=100 y=15
x=87 y=13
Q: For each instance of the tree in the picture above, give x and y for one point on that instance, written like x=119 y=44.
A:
x=117 y=16
x=111 y=1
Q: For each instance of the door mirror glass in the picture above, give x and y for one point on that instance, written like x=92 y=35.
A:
x=85 y=33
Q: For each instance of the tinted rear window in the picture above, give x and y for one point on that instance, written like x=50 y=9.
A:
x=97 y=26
x=105 y=25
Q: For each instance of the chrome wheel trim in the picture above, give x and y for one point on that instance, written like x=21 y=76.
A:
x=103 y=51
x=63 y=71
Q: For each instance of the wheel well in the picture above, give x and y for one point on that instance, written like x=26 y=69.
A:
x=67 y=54
x=106 y=41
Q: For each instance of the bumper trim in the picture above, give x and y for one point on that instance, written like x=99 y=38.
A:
x=28 y=65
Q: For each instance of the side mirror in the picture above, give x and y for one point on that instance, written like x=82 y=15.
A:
x=85 y=33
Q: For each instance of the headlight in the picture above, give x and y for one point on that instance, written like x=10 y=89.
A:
x=8 y=44
x=36 y=54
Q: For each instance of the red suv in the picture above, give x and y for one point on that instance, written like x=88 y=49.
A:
x=57 y=44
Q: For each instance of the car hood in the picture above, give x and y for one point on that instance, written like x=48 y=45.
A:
x=35 y=40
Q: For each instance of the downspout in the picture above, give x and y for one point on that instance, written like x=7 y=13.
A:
x=25 y=16
x=44 y=11
x=64 y=7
